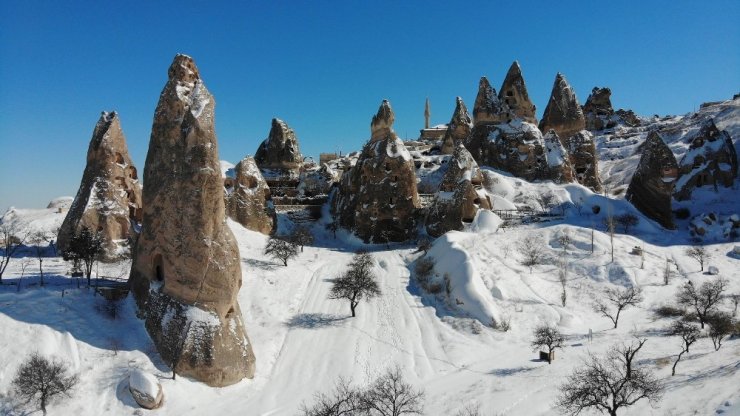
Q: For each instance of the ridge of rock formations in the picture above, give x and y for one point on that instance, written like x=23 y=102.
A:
x=488 y=108
x=377 y=198
x=108 y=200
x=460 y=195
x=248 y=200
x=514 y=94
x=652 y=184
x=186 y=272
x=459 y=128
x=279 y=154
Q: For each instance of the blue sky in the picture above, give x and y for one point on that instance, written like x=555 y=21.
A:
x=324 y=67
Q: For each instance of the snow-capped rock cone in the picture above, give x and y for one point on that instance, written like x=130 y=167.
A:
x=377 y=198
x=186 y=272
x=710 y=161
x=279 y=154
x=459 y=128
x=652 y=183
x=109 y=197
x=564 y=115
x=460 y=196
x=248 y=201
x=514 y=94
x=488 y=109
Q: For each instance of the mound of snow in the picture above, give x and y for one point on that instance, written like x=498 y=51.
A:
x=486 y=222
x=145 y=389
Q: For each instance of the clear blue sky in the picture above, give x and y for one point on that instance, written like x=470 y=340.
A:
x=324 y=68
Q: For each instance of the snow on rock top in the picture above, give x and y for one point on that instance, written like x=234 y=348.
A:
x=396 y=148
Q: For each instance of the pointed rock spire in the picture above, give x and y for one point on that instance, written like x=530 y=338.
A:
x=488 y=108
x=598 y=109
x=459 y=127
x=248 y=198
x=563 y=113
x=280 y=150
x=382 y=124
x=653 y=181
x=514 y=94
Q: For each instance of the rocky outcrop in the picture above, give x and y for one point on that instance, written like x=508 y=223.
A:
x=652 y=183
x=460 y=196
x=564 y=116
x=598 y=110
x=514 y=95
x=279 y=154
x=377 y=198
x=248 y=199
x=317 y=181
x=710 y=161
x=186 y=272
x=558 y=167
x=458 y=129
x=109 y=198
x=489 y=109
x=145 y=389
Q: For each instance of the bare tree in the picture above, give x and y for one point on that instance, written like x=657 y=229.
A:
x=281 y=249
x=25 y=262
x=610 y=224
x=699 y=254
x=40 y=380
x=301 y=236
x=85 y=247
x=357 y=283
x=531 y=248
x=563 y=279
x=689 y=333
x=626 y=221
x=469 y=410
x=547 y=201
x=609 y=384
x=565 y=241
x=705 y=300
x=735 y=299
x=667 y=272
x=620 y=299
x=333 y=227
x=721 y=325
x=547 y=336
x=344 y=400
x=391 y=395
x=10 y=242
x=38 y=238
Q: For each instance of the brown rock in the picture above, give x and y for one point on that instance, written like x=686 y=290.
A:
x=458 y=129
x=711 y=161
x=109 y=197
x=186 y=271
x=558 y=168
x=598 y=110
x=248 y=201
x=584 y=159
x=563 y=113
x=279 y=153
x=514 y=94
x=652 y=183
x=317 y=181
x=377 y=198
x=489 y=109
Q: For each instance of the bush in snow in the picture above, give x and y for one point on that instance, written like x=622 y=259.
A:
x=721 y=325
x=357 y=283
x=85 y=247
x=40 y=381
x=547 y=336
x=424 y=268
x=532 y=250
x=626 y=221
x=281 y=249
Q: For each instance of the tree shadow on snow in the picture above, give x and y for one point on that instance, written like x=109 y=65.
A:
x=314 y=320
x=261 y=264
x=504 y=372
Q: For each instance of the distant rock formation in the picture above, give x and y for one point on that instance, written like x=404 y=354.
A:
x=459 y=128
x=460 y=195
x=248 y=199
x=186 y=272
x=565 y=117
x=598 y=110
x=489 y=109
x=109 y=198
x=558 y=168
x=514 y=95
x=377 y=198
x=317 y=181
x=279 y=153
x=652 y=183
x=710 y=161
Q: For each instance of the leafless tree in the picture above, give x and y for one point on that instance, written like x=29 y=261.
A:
x=699 y=254
x=689 y=333
x=281 y=249
x=547 y=336
x=469 y=410
x=667 y=272
x=619 y=299
x=563 y=278
x=302 y=236
x=357 y=283
x=531 y=248
x=609 y=384
x=40 y=380
x=735 y=299
x=38 y=238
x=547 y=201
x=610 y=224
x=344 y=400
x=626 y=221
x=391 y=395
x=333 y=227
x=85 y=247
x=565 y=240
x=704 y=300
x=10 y=242
x=721 y=325
x=25 y=262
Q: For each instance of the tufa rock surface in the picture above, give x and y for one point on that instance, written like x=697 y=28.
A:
x=598 y=110
x=563 y=113
x=248 y=200
x=186 y=272
x=558 y=167
x=710 y=161
x=458 y=129
x=514 y=95
x=109 y=198
x=652 y=183
x=584 y=159
x=377 y=198
x=489 y=109
x=460 y=196
x=279 y=153
x=317 y=181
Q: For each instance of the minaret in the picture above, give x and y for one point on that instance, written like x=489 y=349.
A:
x=427 y=113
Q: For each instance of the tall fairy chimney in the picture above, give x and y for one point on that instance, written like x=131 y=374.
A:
x=427 y=113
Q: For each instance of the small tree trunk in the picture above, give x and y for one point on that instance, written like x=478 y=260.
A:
x=673 y=371
x=352 y=308
x=41 y=271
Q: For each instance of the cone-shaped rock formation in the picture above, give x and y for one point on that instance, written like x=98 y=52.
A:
x=459 y=128
x=514 y=94
x=186 y=272
x=248 y=201
x=489 y=109
x=279 y=152
x=109 y=198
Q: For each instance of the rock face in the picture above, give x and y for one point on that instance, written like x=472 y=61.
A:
x=279 y=152
x=377 y=198
x=248 y=201
x=598 y=110
x=460 y=196
x=459 y=128
x=317 y=181
x=489 y=109
x=558 y=168
x=514 y=94
x=652 y=183
x=564 y=116
x=711 y=160
x=186 y=272
x=109 y=197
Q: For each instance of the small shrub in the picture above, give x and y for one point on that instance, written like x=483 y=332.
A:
x=424 y=268
x=682 y=213
x=435 y=288
x=668 y=311
x=504 y=324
